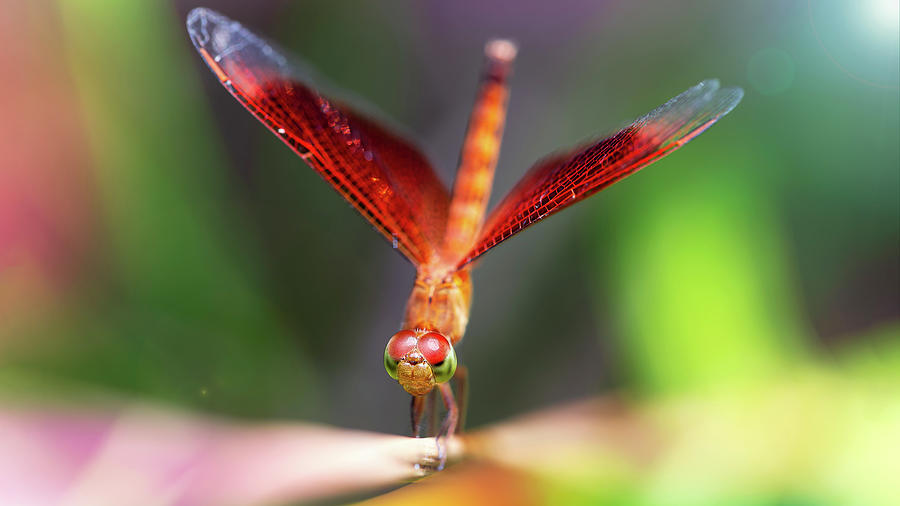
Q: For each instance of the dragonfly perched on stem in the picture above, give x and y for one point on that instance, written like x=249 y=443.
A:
x=393 y=186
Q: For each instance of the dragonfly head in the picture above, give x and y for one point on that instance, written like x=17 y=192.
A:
x=419 y=359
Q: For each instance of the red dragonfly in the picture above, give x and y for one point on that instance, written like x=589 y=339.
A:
x=394 y=187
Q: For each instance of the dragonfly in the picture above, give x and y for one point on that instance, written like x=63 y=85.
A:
x=388 y=180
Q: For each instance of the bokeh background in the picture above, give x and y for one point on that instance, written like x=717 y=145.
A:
x=157 y=243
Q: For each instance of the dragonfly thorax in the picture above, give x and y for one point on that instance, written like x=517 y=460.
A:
x=440 y=304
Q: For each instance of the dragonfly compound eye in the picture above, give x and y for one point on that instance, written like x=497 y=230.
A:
x=439 y=353
x=397 y=347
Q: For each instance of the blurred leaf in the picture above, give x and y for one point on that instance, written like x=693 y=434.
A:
x=182 y=284
x=809 y=436
x=698 y=271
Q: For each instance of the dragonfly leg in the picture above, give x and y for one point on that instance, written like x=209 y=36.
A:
x=416 y=409
x=462 y=394
x=448 y=427
x=452 y=419
x=432 y=412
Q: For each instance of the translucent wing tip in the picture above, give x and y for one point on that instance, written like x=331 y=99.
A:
x=219 y=39
x=720 y=100
x=687 y=115
x=203 y=24
x=730 y=98
x=708 y=84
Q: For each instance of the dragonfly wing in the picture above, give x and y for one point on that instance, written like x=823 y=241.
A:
x=382 y=175
x=561 y=180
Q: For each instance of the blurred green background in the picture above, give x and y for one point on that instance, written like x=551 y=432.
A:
x=157 y=243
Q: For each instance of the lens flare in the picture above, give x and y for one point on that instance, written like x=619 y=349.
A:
x=885 y=14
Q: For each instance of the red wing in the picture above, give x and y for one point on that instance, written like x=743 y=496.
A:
x=383 y=176
x=561 y=180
